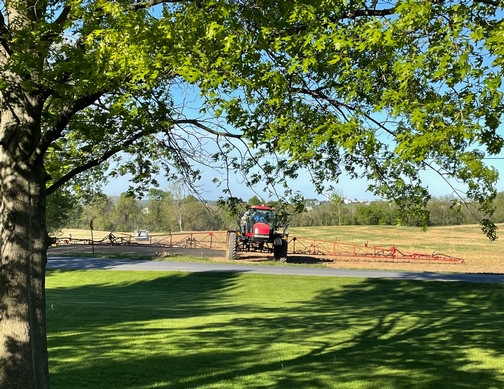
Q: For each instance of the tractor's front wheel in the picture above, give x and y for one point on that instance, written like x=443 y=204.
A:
x=277 y=252
x=283 y=253
x=280 y=251
x=231 y=246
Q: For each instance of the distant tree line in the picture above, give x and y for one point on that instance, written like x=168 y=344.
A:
x=443 y=212
x=167 y=211
x=160 y=211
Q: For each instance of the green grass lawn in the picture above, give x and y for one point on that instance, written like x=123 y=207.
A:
x=139 y=330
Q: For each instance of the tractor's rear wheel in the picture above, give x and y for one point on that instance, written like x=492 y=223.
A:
x=277 y=252
x=231 y=246
x=280 y=251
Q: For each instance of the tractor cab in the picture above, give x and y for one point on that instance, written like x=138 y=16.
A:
x=258 y=221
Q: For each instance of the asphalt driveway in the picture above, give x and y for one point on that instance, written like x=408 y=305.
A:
x=58 y=262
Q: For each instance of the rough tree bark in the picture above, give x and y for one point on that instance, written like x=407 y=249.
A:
x=23 y=244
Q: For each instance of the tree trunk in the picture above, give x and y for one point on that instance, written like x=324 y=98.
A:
x=23 y=245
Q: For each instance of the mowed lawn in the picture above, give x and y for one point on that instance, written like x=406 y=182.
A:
x=139 y=330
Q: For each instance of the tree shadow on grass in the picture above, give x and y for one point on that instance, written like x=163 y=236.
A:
x=292 y=258
x=173 y=296
x=307 y=259
x=369 y=334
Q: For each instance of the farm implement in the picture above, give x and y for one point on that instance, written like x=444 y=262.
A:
x=260 y=237
x=143 y=238
x=341 y=249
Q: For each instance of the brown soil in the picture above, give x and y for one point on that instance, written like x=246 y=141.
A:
x=490 y=265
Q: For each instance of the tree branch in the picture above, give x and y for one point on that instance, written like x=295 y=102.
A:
x=368 y=12
x=63 y=16
x=54 y=133
x=4 y=31
x=317 y=93
x=490 y=2
x=93 y=163
x=151 y=3
x=198 y=124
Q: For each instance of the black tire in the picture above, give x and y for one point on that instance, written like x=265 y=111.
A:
x=277 y=252
x=284 y=249
x=231 y=246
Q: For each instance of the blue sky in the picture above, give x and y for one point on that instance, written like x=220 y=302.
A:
x=346 y=187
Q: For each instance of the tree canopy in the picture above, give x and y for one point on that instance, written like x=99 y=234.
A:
x=380 y=90
x=94 y=89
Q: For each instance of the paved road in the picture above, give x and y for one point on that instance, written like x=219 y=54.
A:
x=129 y=264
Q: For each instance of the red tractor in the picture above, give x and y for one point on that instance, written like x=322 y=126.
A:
x=258 y=233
